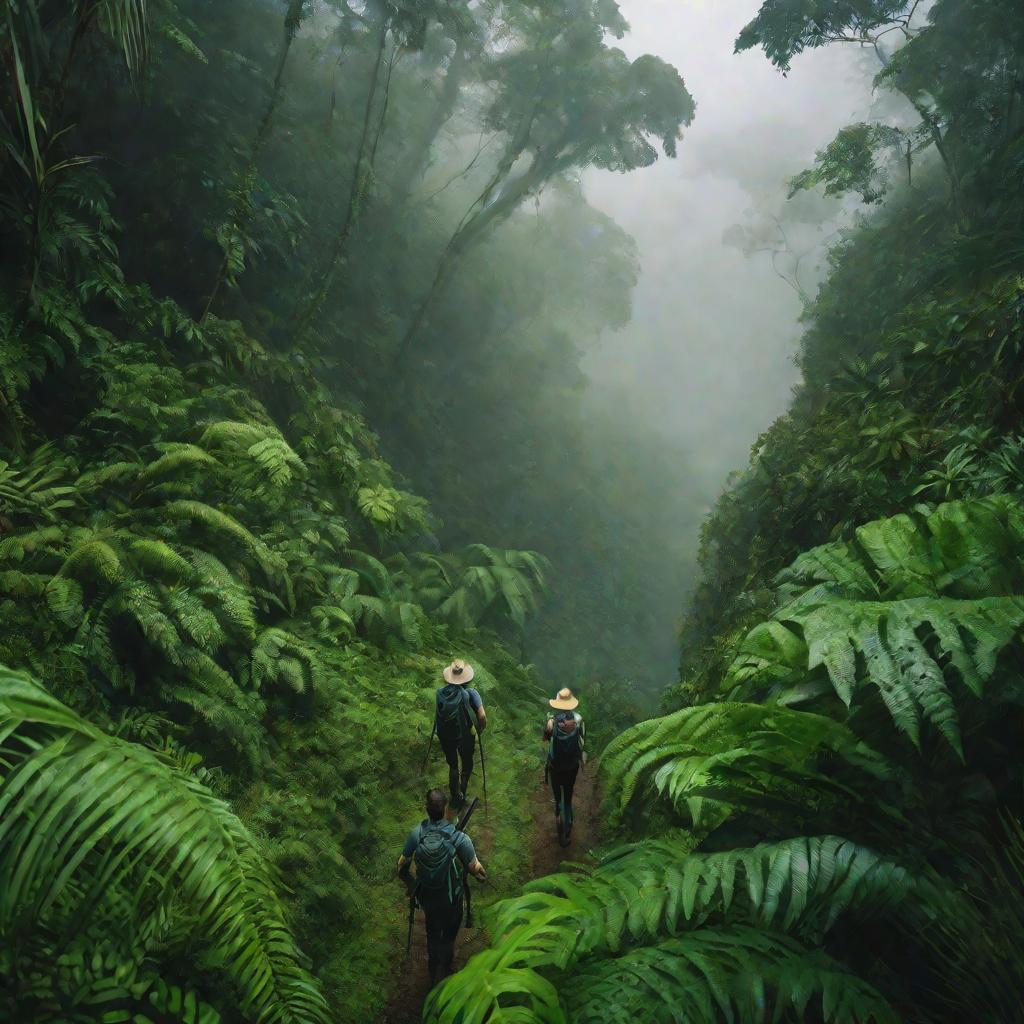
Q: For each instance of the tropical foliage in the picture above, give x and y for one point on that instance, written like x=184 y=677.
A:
x=114 y=858
x=824 y=823
x=879 y=724
x=231 y=603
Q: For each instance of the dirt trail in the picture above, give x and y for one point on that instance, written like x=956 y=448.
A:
x=547 y=856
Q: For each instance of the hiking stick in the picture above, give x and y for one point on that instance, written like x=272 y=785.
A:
x=483 y=770
x=412 y=922
x=426 y=757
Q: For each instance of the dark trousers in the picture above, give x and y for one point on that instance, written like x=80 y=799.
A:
x=456 y=750
x=443 y=922
x=562 y=782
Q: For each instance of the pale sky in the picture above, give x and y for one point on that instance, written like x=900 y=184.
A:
x=708 y=357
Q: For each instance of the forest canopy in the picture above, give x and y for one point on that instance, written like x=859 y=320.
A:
x=296 y=298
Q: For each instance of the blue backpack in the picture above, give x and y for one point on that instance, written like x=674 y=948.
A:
x=452 y=712
x=566 y=750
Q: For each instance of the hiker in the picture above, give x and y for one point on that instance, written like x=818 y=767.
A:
x=459 y=710
x=565 y=735
x=442 y=855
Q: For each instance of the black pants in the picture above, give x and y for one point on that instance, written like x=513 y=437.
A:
x=443 y=922
x=456 y=750
x=562 y=782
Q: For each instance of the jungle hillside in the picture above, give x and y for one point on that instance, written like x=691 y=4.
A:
x=340 y=339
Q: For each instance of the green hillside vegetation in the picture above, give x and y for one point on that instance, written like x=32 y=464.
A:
x=237 y=241
x=294 y=299
x=824 y=824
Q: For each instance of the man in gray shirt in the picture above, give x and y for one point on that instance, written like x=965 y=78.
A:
x=442 y=856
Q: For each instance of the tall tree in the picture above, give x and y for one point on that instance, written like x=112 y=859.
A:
x=231 y=234
x=406 y=22
x=564 y=101
x=785 y=28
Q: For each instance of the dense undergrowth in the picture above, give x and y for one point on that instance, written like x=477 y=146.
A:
x=824 y=825
x=235 y=240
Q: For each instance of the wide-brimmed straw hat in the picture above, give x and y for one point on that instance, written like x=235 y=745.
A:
x=458 y=672
x=565 y=701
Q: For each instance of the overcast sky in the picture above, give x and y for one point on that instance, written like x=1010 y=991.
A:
x=709 y=354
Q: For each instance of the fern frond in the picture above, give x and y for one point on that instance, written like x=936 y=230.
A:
x=656 y=887
x=373 y=572
x=648 y=891
x=895 y=640
x=262 y=444
x=731 y=975
x=967 y=549
x=234 y=600
x=80 y=810
x=18 y=546
x=94 y=561
x=161 y=559
x=221 y=524
x=732 y=753
x=177 y=458
x=65 y=600
x=279 y=655
x=112 y=473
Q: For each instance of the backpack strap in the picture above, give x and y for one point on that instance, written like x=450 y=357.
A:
x=467 y=706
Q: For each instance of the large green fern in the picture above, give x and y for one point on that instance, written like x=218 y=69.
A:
x=729 y=754
x=645 y=892
x=85 y=816
x=899 y=611
x=732 y=975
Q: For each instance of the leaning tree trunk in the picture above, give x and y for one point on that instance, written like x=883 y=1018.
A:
x=421 y=152
x=360 y=178
x=240 y=214
x=468 y=234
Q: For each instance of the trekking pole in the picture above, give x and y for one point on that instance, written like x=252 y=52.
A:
x=426 y=757
x=469 y=902
x=460 y=826
x=483 y=770
x=412 y=922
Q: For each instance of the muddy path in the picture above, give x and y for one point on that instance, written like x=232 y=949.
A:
x=547 y=856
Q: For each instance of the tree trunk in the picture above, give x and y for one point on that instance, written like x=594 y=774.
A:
x=292 y=19
x=358 y=182
x=471 y=231
x=421 y=152
x=939 y=142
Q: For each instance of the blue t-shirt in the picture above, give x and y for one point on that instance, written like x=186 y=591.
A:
x=472 y=699
x=463 y=844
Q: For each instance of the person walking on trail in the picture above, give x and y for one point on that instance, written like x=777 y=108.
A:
x=442 y=855
x=459 y=711
x=565 y=735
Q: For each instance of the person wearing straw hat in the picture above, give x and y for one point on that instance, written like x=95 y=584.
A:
x=565 y=735
x=459 y=710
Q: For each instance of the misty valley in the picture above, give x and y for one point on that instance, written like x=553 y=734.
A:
x=511 y=512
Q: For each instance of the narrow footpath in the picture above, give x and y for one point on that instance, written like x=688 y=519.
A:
x=547 y=857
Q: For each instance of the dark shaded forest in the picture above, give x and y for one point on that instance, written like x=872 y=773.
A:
x=295 y=299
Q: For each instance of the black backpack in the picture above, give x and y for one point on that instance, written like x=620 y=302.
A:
x=566 y=749
x=452 y=712
x=438 y=872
